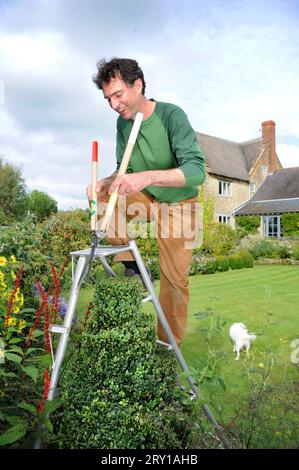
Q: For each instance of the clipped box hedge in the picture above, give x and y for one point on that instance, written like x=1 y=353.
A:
x=119 y=391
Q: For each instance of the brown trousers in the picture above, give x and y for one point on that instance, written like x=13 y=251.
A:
x=176 y=232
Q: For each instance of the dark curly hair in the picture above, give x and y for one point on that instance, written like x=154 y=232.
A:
x=127 y=69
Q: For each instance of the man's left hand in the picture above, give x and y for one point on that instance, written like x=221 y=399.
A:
x=130 y=183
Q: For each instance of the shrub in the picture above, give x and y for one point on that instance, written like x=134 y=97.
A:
x=284 y=249
x=247 y=259
x=24 y=360
x=264 y=248
x=37 y=244
x=202 y=265
x=236 y=262
x=296 y=252
x=119 y=391
x=290 y=223
x=222 y=263
x=220 y=239
x=41 y=204
x=249 y=223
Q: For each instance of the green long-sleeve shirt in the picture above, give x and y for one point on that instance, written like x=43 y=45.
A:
x=166 y=140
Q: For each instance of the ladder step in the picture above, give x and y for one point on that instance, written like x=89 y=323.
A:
x=58 y=329
x=165 y=345
x=146 y=299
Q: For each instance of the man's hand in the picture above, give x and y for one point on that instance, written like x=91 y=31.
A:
x=101 y=190
x=131 y=183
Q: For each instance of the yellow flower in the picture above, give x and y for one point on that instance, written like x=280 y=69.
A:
x=12 y=321
x=22 y=325
x=261 y=365
x=13 y=259
x=13 y=276
x=3 y=285
x=16 y=310
x=3 y=261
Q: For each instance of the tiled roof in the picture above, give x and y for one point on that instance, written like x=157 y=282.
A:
x=279 y=193
x=227 y=158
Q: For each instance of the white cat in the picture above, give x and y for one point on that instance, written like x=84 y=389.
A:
x=241 y=338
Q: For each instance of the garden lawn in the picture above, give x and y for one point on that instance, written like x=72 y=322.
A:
x=265 y=298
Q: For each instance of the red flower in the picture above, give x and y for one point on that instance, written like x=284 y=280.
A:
x=90 y=307
x=47 y=381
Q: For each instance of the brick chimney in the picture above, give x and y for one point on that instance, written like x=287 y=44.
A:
x=268 y=137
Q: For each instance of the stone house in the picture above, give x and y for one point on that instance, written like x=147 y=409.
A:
x=235 y=171
x=278 y=195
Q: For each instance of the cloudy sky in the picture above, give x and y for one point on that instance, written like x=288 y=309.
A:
x=229 y=64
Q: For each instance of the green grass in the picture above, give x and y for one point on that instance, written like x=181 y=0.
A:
x=266 y=299
x=252 y=296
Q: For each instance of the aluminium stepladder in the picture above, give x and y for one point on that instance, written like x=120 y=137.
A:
x=64 y=330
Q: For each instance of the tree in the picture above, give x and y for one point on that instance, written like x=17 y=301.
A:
x=41 y=204
x=13 y=197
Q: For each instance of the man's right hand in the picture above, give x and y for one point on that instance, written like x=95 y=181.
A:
x=101 y=190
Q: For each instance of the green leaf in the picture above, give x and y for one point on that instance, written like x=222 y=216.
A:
x=28 y=407
x=14 y=420
x=45 y=360
x=37 y=333
x=28 y=310
x=13 y=434
x=31 y=371
x=52 y=405
x=15 y=349
x=7 y=374
x=13 y=357
x=201 y=315
x=48 y=424
x=14 y=340
x=30 y=350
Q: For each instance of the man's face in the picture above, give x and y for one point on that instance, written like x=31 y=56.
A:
x=123 y=98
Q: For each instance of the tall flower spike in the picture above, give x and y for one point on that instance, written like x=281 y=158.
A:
x=47 y=381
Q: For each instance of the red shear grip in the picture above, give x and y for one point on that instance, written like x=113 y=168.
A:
x=95 y=151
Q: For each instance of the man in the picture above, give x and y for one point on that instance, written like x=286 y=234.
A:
x=163 y=174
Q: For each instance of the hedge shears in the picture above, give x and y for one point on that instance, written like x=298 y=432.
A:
x=98 y=235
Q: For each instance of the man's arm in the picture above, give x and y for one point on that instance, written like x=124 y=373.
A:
x=133 y=182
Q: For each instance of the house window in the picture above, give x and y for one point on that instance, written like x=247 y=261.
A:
x=224 y=219
x=251 y=189
x=264 y=170
x=225 y=188
x=272 y=226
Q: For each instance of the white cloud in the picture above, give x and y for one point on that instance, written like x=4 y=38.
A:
x=230 y=65
x=288 y=155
